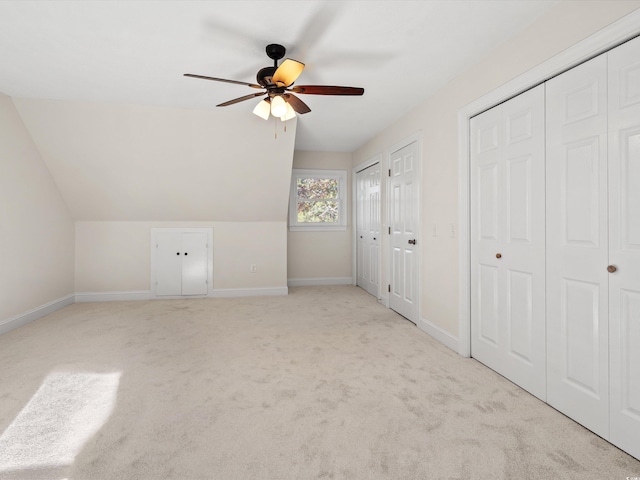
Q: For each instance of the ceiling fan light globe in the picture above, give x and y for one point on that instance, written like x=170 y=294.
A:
x=291 y=113
x=278 y=106
x=263 y=109
x=288 y=72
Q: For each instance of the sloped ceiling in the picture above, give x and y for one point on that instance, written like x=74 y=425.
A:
x=131 y=162
x=135 y=52
x=99 y=86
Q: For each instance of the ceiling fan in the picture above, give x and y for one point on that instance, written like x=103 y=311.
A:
x=277 y=83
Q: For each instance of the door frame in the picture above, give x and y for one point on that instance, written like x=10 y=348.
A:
x=599 y=42
x=354 y=213
x=417 y=139
x=152 y=237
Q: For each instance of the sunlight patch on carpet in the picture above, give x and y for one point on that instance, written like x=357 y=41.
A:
x=62 y=415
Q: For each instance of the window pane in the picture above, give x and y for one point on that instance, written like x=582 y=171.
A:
x=318 y=212
x=317 y=188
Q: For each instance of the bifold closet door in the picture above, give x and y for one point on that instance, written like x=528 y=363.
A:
x=368 y=228
x=624 y=244
x=508 y=240
x=577 y=245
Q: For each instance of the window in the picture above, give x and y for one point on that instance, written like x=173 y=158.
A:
x=318 y=200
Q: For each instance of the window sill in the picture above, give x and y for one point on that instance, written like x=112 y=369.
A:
x=317 y=228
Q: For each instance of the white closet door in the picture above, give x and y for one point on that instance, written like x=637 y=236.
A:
x=373 y=216
x=194 y=264
x=577 y=250
x=508 y=240
x=368 y=232
x=361 y=243
x=624 y=244
x=168 y=263
x=403 y=218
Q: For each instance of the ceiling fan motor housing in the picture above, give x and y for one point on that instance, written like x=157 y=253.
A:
x=264 y=75
x=275 y=52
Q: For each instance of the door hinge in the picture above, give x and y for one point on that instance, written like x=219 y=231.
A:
x=389 y=289
x=389 y=172
x=389 y=230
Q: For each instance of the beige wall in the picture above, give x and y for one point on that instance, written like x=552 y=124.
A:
x=124 y=169
x=115 y=256
x=436 y=119
x=318 y=255
x=115 y=162
x=36 y=229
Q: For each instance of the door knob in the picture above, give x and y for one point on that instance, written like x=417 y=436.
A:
x=374 y=238
x=360 y=236
x=185 y=253
x=498 y=255
x=177 y=253
x=611 y=268
x=412 y=242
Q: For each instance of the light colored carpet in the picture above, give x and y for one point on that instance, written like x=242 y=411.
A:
x=324 y=383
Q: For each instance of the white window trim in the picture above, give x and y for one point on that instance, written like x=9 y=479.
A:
x=341 y=225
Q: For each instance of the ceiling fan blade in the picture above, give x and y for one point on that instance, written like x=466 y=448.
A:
x=241 y=99
x=252 y=85
x=288 y=72
x=327 y=90
x=298 y=105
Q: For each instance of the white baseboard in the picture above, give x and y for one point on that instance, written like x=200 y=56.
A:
x=309 y=282
x=248 y=292
x=439 y=334
x=112 y=296
x=36 y=313
x=146 y=294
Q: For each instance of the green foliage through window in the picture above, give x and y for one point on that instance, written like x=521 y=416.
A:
x=318 y=200
x=314 y=204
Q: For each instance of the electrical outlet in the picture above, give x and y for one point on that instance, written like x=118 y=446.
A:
x=253 y=268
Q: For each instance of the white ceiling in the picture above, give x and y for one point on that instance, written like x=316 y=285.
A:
x=135 y=52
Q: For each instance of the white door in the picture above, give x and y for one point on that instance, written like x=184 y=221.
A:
x=624 y=245
x=577 y=250
x=368 y=228
x=194 y=264
x=181 y=263
x=168 y=263
x=403 y=220
x=508 y=240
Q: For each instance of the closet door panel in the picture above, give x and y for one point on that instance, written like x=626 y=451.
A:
x=486 y=177
x=523 y=253
x=368 y=228
x=577 y=245
x=194 y=264
x=508 y=273
x=624 y=240
x=168 y=263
